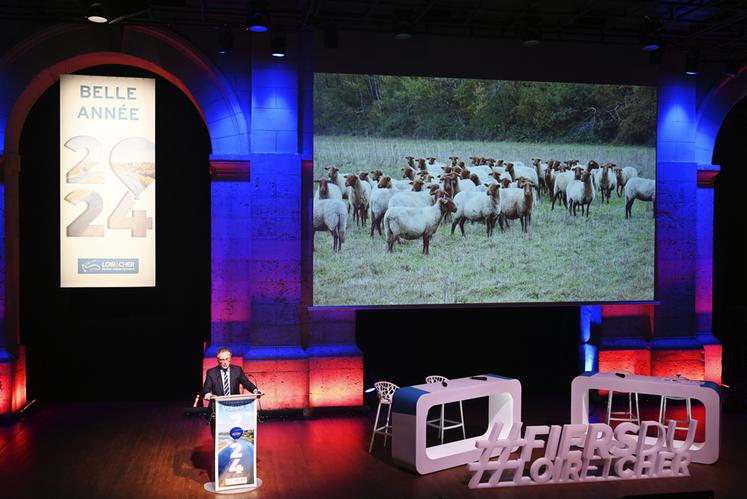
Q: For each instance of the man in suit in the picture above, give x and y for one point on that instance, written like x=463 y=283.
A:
x=223 y=376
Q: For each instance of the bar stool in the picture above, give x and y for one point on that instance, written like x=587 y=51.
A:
x=628 y=415
x=688 y=407
x=440 y=422
x=385 y=391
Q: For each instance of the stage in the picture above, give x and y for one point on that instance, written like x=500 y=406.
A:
x=154 y=450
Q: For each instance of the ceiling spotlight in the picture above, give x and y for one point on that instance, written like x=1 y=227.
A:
x=259 y=18
x=96 y=13
x=692 y=65
x=651 y=35
x=651 y=43
x=225 y=40
x=258 y=23
x=732 y=67
x=277 y=46
x=403 y=31
x=531 y=37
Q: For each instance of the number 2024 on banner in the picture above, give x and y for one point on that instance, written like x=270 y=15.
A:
x=132 y=160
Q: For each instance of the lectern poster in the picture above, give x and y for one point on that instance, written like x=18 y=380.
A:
x=235 y=434
x=107 y=181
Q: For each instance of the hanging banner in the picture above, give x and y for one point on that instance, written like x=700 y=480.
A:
x=107 y=181
x=235 y=442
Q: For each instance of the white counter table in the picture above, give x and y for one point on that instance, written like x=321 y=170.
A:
x=410 y=411
x=706 y=392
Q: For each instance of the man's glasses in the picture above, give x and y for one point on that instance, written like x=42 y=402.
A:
x=225 y=360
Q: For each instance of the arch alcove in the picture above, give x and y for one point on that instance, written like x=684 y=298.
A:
x=35 y=64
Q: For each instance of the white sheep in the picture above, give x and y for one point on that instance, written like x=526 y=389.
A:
x=379 y=203
x=408 y=174
x=561 y=184
x=623 y=175
x=359 y=194
x=483 y=172
x=364 y=177
x=517 y=171
x=331 y=215
x=434 y=167
x=540 y=168
x=413 y=199
x=607 y=181
x=338 y=178
x=327 y=190
x=580 y=193
x=478 y=206
x=415 y=223
x=643 y=189
x=517 y=202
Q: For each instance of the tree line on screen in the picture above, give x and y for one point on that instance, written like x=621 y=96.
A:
x=485 y=110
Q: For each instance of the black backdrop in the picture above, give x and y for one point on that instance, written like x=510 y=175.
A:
x=538 y=346
x=729 y=246
x=118 y=343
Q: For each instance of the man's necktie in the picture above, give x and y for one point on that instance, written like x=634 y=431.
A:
x=226 y=387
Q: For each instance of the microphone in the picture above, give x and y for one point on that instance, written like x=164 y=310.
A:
x=260 y=415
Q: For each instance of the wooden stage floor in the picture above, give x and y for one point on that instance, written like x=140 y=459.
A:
x=152 y=450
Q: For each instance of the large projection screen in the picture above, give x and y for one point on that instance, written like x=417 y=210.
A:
x=381 y=125
x=107 y=181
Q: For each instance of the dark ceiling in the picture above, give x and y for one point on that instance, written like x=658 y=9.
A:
x=713 y=28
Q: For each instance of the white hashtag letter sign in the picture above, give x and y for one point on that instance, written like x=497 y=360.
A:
x=580 y=453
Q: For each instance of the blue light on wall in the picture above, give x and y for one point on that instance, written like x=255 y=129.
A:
x=590 y=314
x=591 y=362
x=676 y=127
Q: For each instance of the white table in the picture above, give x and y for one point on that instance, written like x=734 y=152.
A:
x=410 y=410
x=706 y=392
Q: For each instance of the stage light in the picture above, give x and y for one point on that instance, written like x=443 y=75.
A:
x=531 y=37
x=692 y=65
x=278 y=46
x=225 y=40
x=650 y=35
x=732 y=67
x=651 y=43
x=96 y=13
x=403 y=31
x=258 y=19
x=369 y=390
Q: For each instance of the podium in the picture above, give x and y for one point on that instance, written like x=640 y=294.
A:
x=235 y=449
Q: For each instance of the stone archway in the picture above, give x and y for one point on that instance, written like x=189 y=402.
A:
x=713 y=111
x=30 y=68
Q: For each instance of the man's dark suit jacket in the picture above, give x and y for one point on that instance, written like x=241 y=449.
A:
x=236 y=377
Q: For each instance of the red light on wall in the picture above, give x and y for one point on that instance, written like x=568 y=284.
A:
x=336 y=382
x=6 y=393
x=632 y=361
x=284 y=382
x=670 y=363
x=712 y=359
x=19 y=380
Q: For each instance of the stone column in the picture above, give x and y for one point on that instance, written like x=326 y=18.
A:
x=229 y=259
x=712 y=354
x=12 y=353
x=276 y=356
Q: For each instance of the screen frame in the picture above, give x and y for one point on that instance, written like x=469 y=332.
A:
x=307 y=179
